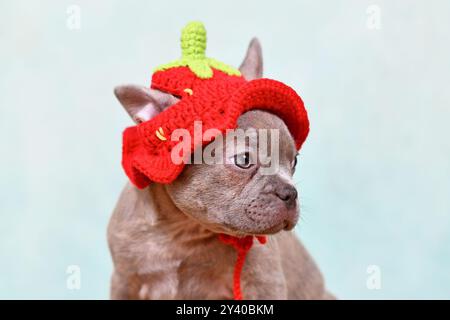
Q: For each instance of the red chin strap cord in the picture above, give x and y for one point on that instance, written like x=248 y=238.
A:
x=242 y=246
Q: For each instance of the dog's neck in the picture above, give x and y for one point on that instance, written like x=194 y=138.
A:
x=162 y=205
x=162 y=212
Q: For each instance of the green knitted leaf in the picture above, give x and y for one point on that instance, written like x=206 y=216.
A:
x=223 y=67
x=193 y=48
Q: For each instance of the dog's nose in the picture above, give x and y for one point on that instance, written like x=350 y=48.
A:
x=288 y=194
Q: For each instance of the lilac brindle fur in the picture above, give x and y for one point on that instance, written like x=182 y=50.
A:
x=163 y=239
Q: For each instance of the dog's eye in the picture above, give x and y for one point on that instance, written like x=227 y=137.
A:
x=294 y=163
x=242 y=160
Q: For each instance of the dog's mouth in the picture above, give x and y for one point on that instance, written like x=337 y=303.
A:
x=285 y=225
x=267 y=222
x=253 y=226
x=275 y=229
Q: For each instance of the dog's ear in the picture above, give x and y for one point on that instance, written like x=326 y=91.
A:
x=141 y=103
x=252 y=66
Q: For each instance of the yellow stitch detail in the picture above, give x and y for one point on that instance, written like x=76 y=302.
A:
x=189 y=91
x=160 y=134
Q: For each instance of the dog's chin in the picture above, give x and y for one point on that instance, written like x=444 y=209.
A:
x=286 y=226
x=272 y=230
x=286 y=221
x=238 y=232
x=257 y=228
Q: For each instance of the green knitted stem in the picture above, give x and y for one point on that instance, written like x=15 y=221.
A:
x=193 y=47
x=193 y=41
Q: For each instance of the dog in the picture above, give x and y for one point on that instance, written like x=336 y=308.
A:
x=164 y=241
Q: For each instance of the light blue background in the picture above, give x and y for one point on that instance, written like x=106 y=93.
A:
x=374 y=176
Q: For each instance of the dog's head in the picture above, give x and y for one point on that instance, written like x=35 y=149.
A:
x=236 y=195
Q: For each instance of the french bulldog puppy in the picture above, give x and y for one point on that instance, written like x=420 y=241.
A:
x=164 y=239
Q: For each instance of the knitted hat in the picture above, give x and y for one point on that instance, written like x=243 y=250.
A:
x=211 y=92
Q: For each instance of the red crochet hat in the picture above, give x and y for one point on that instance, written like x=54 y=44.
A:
x=211 y=92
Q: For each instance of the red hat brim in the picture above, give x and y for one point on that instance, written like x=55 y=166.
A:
x=275 y=97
